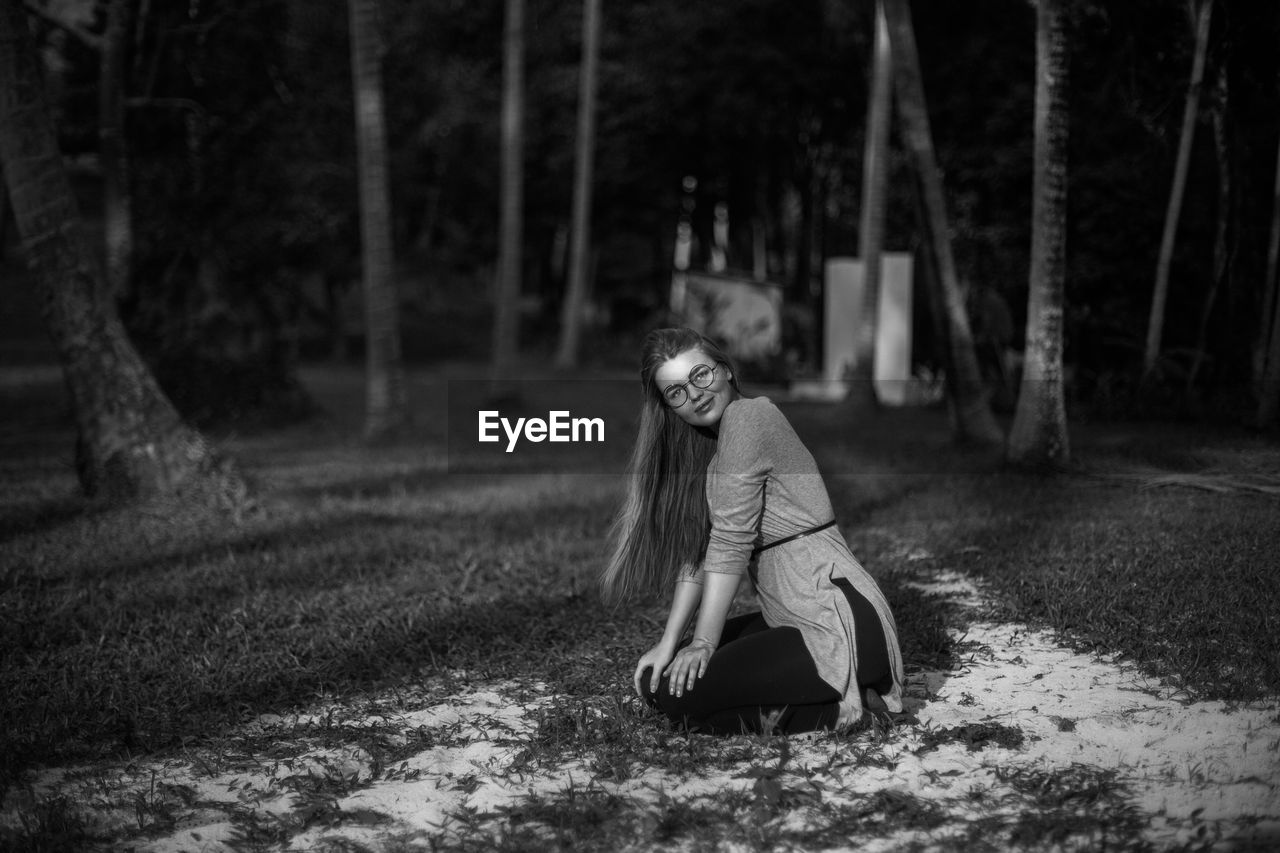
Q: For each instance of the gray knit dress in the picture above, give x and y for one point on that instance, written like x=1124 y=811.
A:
x=763 y=485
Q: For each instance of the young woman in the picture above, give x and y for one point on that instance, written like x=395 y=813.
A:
x=721 y=487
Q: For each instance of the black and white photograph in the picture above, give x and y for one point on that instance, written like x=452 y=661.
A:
x=639 y=425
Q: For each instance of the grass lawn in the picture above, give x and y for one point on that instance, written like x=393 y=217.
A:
x=355 y=570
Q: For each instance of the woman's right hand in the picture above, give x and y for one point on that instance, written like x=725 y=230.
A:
x=656 y=660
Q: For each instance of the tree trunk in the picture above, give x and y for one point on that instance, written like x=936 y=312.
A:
x=385 y=404
x=803 y=281
x=875 y=168
x=131 y=442
x=1270 y=284
x=4 y=213
x=506 y=298
x=1269 y=396
x=1039 y=434
x=580 y=239
x=1269 y=335
x=117 y=204
x=1224 y=233
x=817 y=248
x=973 y=418
x=117 y=199
x=927 y=261
x=1155 y=324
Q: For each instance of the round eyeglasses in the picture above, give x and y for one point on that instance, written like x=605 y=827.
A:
x=700 y=377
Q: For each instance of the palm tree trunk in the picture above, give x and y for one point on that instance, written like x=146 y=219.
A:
x=1269 y=335
x=385 y=402
x=1155 y=324
x=973 y=419
x=117 y=200
x=510 y=250
x=1224 y=232
x=805 y=184
x=4 y=213
x=875 y=168
x=1039 y=434
x=580 y=239
x=131 y=442
x=927 y=264
x=1269 y=396
x=1270 y=284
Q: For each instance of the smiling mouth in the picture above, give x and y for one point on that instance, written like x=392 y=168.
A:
x=703 y=408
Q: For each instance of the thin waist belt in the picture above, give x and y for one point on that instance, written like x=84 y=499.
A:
x=794 y=536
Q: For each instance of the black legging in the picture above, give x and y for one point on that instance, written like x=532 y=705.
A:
x=758 y=671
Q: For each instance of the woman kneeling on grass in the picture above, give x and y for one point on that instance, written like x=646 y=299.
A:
x=721 y=486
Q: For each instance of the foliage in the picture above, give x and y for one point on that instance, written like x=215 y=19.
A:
x=242 y=141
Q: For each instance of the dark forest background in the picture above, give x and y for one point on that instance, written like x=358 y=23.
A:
x=243 y=176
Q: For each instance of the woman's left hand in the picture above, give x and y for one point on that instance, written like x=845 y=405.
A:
x=689 y=664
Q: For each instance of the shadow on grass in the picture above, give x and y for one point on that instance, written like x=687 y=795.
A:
x=183 y=689
x=199 y=669
x=433 y=481
x=43 y=517
x=1177 y=581
x=239 y=547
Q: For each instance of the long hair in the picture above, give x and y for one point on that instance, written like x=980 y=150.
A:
x=662 y=526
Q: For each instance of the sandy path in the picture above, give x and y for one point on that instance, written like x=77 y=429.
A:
x=1024 y=727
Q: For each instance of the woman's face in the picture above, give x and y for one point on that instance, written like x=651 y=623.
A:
x=678 y=379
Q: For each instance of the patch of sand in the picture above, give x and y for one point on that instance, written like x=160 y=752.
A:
x=1190 y=771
